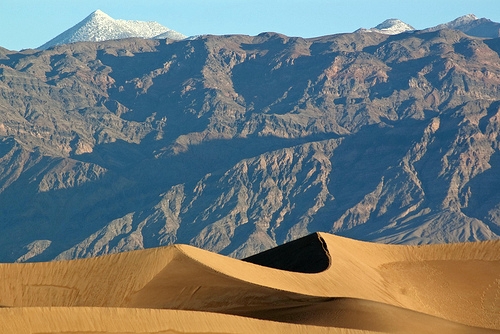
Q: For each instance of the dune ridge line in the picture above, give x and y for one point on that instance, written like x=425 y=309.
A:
x=319 y=280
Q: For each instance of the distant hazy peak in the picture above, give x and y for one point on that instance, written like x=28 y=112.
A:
x=392 y=27
x=391 y=23
x=458 y=22
x=99 y=26
x=471 y=25
x=462 y=20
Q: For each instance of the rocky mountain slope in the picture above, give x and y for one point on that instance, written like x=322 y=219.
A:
x=472 y=25
x=238 y=143
x=99 y=26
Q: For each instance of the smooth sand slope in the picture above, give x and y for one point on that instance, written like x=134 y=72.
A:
x=320 y=283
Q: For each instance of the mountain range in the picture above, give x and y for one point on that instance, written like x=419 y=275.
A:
x=99 y=26
x=239 y=143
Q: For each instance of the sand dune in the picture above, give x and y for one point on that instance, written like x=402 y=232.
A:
x=320 y=283
x=120 y=320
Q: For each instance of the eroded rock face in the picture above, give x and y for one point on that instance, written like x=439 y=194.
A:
x=237 y=144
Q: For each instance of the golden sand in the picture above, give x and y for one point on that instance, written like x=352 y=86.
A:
x=362 y=288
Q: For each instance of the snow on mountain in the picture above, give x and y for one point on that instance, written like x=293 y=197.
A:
x=392 y=27
x=170 y=34
x=99 y=26
x=456 y=23
x=472 y=25
x=469 y=24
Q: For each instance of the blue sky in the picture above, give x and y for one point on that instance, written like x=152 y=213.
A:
x=30 y=23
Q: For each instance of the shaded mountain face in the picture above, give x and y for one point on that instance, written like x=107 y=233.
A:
x=237 y=144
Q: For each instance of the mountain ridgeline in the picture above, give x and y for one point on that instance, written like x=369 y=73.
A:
x=237 y=143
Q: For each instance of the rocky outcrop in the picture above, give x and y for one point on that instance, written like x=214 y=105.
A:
x=237 y=143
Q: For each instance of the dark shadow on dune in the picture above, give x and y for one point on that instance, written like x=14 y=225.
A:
x=308 y=254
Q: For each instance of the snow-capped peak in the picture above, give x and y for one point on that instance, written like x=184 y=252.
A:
x=392 y=27
x=100 y=14
x=99 y=26
x=461 y=20
x=456 y=23
x=466 y=18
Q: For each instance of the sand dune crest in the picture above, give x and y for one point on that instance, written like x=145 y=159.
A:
x=320 y=280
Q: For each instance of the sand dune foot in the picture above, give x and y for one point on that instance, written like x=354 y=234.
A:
x=71 y=320
x=362 y=314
